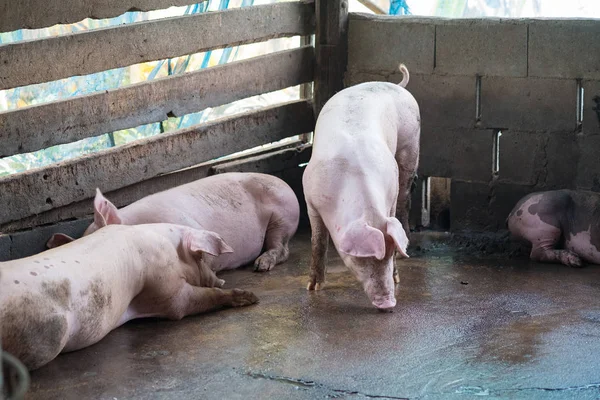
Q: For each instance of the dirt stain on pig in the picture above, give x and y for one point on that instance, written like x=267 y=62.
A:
x=33 y=273
x=32 y=330
x=99 y=298
x=60 y=292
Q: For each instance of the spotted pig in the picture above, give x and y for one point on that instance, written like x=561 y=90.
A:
x=563 y=226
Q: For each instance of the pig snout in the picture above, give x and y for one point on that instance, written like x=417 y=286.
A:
x=384 y=302
x=380 y=291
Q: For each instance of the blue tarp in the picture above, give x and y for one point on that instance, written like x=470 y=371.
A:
x=399 y=7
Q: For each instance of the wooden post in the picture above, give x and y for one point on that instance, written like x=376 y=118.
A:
x=306 y=89
x=331 y=47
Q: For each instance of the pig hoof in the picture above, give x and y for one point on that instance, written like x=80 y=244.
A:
x=385 y=304
x=242 y=298
x=264 y=263
x=396 y=278
x=572 y=260
x=220 y=282
x=314 y=286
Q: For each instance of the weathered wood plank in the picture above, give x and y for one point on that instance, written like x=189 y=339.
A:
x=60 y=57
x=271 y=162
x=38 y=127
x=120 y=198
x=279 y=162
x=331 y=49
x=128 y=194
x=28 y=243
x=33 y=14
x=35 y=191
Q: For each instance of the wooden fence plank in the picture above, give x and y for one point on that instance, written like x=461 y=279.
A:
x=128 y=194
x=271 y=162
x=25 y=243
x=331 y=42
x=60 y=57
x=38 y=127
x=34 y=14
x=35 y=191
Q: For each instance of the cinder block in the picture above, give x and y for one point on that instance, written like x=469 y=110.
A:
x=529 y=104
x=352 y=78
x=502 y=200
x=483 y=207
x=444 y=101
x=591 y=107
x=27 y=243
x=456 y=153
x=564 y=49
x=521 y=157
x=546 y=161
x=469 y=203
x=562 y=157
x=382 y=43
x=482 y=46
x=588 y=167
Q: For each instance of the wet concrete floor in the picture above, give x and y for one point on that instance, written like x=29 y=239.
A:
x=464 y=327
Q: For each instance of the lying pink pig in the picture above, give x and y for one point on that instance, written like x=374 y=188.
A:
x=250 y=211
x=67 y=298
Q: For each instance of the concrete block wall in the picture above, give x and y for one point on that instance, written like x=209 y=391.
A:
x=535 y=81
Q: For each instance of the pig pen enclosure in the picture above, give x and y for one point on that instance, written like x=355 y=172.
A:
x=508 y=107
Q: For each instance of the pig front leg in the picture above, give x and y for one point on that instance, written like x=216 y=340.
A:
x=550 y=255
x=196 y=300
x=276 y=244
x=319 y=242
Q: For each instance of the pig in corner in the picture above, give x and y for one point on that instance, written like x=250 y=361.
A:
x=257 y=214
x=563 y=226
x=364 y=159
x=70 y=297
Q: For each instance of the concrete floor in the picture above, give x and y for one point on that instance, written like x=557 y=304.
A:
x=464 y=327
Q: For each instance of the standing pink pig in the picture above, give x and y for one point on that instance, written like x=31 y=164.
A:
x=250 y=211
x=364 y=159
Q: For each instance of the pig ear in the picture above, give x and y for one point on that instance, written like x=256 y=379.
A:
x=58 y=239
x=105 y=212
x=395 y=230
x=198 y=241
x=362 y=240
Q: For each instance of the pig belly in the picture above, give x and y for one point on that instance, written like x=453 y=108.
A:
x=581 y=244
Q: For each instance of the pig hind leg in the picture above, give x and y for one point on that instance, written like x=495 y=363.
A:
x=406 y=176
x=408 y=160
x=319 y=242
x=196 y=300
x=544 y=238
x=279 y=233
